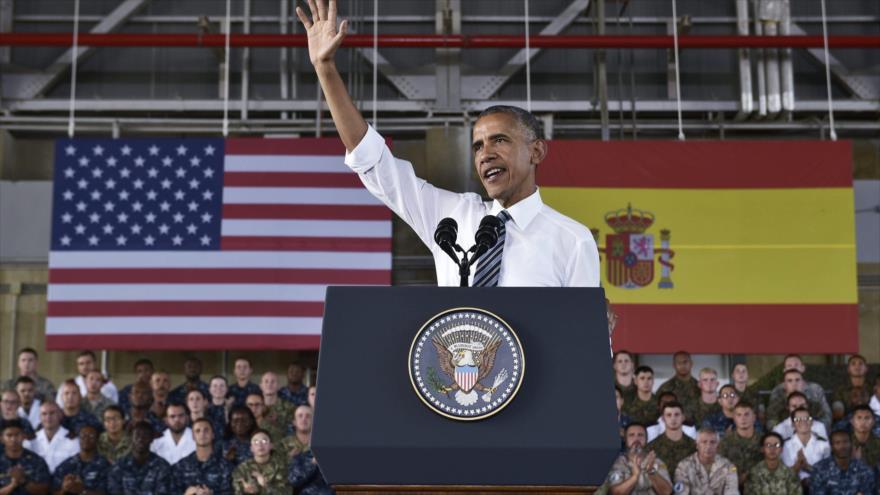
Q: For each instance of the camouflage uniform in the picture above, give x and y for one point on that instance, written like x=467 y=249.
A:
x=274 y=471
x=691 y=477
x=842 y=394
x=741 y=451
x=178 y=394
x=93 y=473
x=297 y=398
x=292 y=442
x=672 y=452
x=777 y=407
x=642 y=411
x=687 y=392
x=704 y=410
x=305 y=476
x=217 y=416
x=780 y=481
x=35 y=470
x=277 y=418
x=215 y=473
x=114 y=451
x=124 y=400
x=870 y=449
x=621 y=471
x=43 y=388
x=750 y=395
x=829 y=479
x=127 y=477
x=80 y=419
x=96 y=408
x=239 y=394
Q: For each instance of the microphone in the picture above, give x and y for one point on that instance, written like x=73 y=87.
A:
x=486 y=236
x=445 y=236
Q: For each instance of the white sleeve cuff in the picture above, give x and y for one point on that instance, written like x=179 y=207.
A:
x=367 y=153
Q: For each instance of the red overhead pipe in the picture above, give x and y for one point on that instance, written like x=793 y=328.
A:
x=439 y=41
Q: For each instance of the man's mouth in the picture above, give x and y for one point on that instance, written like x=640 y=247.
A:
x=492 y=174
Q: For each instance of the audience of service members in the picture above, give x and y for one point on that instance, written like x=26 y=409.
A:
x=252 y=434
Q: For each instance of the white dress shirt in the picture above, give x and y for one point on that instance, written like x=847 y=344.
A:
x=56 y=451
x=165 y=447
x=786 y=429
x=107 y=390
x=656 y=430
x=543 y=247
x=815 y=450
x=875 y=405
x=32 y=416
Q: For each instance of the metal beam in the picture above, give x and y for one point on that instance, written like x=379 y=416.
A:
x=483 y=87
x=864 y=87
x=38 y=84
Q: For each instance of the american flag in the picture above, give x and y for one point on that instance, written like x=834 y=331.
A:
x=206 y=243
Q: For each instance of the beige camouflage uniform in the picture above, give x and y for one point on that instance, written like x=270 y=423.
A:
x=692 y=477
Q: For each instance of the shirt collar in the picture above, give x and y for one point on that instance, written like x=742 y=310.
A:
x=523 y=212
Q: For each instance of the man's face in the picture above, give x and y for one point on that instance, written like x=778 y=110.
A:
x=84 y=364
x=175 y=418
x=862 y=421
x=728 y=398
x=707 y=446
x=295 y=373
x=708 y=382
x=302 y=419
x=682 y=364
x=740 y=373
x=141 y=439
x=794 y=382
x=88 y=439
x=112 y=422
x=140 y=395
x=673 y=418
x=857 y=367
x=269 y=383
x=743 y=418
x=160 y=382
x=256 y=405
x=636 y=436
x=70 y=396
x=772 y=448
x=13 y=439
x=218 y=388
x=261 y=445
x=796 y=402
x=858 y=396
x=505 y=157
x=793 y=363
x=26 y=392
x=623 y=363
x=143 y=372
x=203 y=434
x=802 y=422
x=841 y=447
x=195 y=401
x=9 y=404
x=242 y=370
x=192 y=369
x=645 y=382
x=27 y=364
x=50 y=416
x=94 y=382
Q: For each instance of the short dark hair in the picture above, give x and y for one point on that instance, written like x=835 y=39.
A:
x=672 y=404
x=220 y=377
x=204 y=420
x=622 y=351
x=24 y=379
x=797 y=410
x=527 y=120
x=644 y=369
x=796 y=394
x=196 y=390
x=169 y=405
x=143 y=361
x=87 y=353
x=727 y=385
x=790 y=371
x=862 y=407
x=771 y=434
x=113 y=408
x=839 y=431
x=28 y=350
x=142 y=425
x=11 y=423
x=635 y=423
x=744 y=404
x=667 y=393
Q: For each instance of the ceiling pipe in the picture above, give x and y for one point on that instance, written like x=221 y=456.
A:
x=440 y=41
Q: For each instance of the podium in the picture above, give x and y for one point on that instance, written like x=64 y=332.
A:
x=373 y=433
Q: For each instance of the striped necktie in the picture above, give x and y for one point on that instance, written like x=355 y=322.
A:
x=489 y=266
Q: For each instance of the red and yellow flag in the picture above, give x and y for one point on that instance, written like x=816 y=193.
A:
x=717 y=246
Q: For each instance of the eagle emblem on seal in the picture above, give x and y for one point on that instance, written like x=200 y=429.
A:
x=467 y=357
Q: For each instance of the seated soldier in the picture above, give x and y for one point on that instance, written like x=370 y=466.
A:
x=305 y=476
x=742 y=446
x=707 y=403
x=740 y=382
x=218 y=404
x=94 y=401
x=857 y=371
x=27 y=366
x=9 y=406
x=160 y=387
x=295 y=392
x=786 y=428
x=54 y=443
x=205 y=470
x=683 y=385
x=143 y=370
x=840 y=473
x=866 y=446
x=673 y=445
x=74 y=415
x=278 y=413
x=705 y=472
x=658 y=428
x=197 y=404
x=819 y=408
x=86 y=362
x=192 y=371
x=722 y=421
x=115 y=441
x=771 y=477
x=243 y=385
x=141 y=471
x=176 y=441
x=804 y=449
x=301 y=440
x=29 y=408
x=637 y=471
x=255 y=403
x=263 y=472
x=236 y=443
x=85 y=472
x=140 y=402
x=21 y=471
x=643 y=407
x=624 y=376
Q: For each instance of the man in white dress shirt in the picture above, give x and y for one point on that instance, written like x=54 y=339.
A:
x=53 y=442
x=804 y=448
x=786 y=428
x=177 y=440
x=541 y=248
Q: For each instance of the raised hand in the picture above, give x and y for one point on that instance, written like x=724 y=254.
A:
x=324 y=37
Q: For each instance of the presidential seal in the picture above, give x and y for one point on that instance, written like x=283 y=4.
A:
x=466 y=364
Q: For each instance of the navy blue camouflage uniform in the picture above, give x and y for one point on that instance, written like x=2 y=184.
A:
x=80 y=419
x=35 y=470
x=153 y=477
x=93 y=473
x=829 y=479
x=217 y=416
x=242 y=449
x=305 y=476
x=298 y=398
x=178 y=394
x=215 y=473
x=156 y=422
x=239 y=394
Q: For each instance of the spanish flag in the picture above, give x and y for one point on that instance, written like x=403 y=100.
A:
x=717 y=246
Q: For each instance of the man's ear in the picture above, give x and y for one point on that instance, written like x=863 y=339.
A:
x=538 y=151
